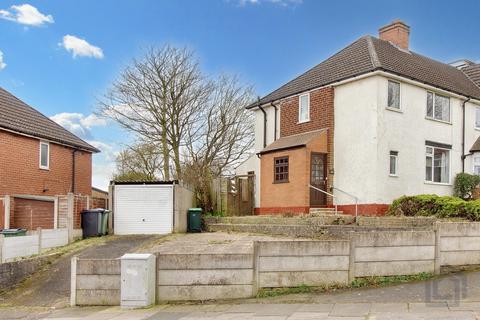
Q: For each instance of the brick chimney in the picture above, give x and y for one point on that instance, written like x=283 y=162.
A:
x=396 y=32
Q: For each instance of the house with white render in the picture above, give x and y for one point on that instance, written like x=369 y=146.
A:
x=373 y=122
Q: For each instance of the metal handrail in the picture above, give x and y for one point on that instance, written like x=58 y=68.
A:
x=327 y=193
x=350 y=195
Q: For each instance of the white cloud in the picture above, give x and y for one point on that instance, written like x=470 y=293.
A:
x=80 y=47
x=78 y=123
x=2 y=63
x=26 y=14
x=108 y=151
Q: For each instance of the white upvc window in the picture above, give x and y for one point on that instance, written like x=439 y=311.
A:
x=437 y=164
x=393 y=163
x=393 y=95
x=44 y=155
x=304 y=108
x=477 y=118
x=476 y=164
x=438 y=107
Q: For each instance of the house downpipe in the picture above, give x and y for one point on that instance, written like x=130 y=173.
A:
x=264 y=125
x=275 y=124
x=463 y=135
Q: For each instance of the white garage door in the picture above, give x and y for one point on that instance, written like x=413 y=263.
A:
x=143 y=209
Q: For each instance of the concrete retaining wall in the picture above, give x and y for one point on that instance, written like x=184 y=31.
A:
x=396 y=222
x=393 y=253
x=95 y=282
x=293 y=263
x=12 y=273
x=204 y=276
x=459 y=243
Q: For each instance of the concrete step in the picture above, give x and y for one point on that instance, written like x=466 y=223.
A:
x=315 y=219
x=303 y=231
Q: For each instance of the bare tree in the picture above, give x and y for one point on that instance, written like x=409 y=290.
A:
x=140 y=160
x=158 y=98
x=222 y=137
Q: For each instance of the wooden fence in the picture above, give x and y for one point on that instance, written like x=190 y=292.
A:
x=234 y=196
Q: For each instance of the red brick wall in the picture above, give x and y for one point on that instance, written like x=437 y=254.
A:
x=31 y=214
x=99 y=203
x=20 y=172
x=321 y=116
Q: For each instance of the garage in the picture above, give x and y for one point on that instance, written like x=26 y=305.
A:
x=150 y=207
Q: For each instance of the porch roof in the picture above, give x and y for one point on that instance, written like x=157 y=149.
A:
x=293 y=141
x=476 y=146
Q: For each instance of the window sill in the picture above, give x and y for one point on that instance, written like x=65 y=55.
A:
x=438 y=183
x=44 y=168
x=304 y=121
x=393 y=175
x=436 y=120
x=280 y=182
x=394 y=109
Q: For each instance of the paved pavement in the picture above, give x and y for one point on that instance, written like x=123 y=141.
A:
x=320 y=311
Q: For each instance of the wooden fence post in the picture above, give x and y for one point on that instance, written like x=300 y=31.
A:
x=73 y=282
x=70 y=215
x=2 y=251
x=39 y=232
x=6 y=204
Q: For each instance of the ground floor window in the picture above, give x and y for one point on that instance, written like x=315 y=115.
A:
x=437 y=164
x=280 y=170
x=476 y=165
x=393 y=163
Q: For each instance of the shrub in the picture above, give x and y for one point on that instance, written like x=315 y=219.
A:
x=465 y=184
x=438 y=206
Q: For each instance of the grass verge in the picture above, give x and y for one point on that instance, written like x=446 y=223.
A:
x=367 y=282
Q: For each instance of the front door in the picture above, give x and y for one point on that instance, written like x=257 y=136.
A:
x=318 y=179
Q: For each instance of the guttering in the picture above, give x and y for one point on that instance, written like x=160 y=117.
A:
x=463 y=135
x=264 y=125
x=275 y=124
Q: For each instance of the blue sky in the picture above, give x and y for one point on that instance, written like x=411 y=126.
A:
x=61 y=56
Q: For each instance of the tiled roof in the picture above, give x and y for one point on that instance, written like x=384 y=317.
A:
x=369 y=54
x=17 y=116
x=473 y=72
x=296 y=140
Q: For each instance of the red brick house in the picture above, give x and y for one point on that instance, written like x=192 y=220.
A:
x=39 y=160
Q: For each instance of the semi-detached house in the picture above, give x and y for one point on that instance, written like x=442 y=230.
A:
x=39 y=160
x=371 y=123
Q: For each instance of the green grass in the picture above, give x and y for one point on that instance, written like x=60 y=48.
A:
x=357 y=283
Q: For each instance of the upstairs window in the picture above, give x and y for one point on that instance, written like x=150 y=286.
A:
x=304 y=108
x=44 y=155
x=477 y=118
x=393 y=163
x=437 y=165
x=438 y=107
x=280 y=170
x=393 y=95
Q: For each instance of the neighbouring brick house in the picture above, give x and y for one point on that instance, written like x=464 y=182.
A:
x=371 y=123
x=39 y=160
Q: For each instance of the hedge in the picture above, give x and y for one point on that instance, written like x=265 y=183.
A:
x=438 y=206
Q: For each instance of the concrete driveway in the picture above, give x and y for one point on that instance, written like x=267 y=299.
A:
x=51 y=286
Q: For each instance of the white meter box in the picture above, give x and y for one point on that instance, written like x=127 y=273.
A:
x=138 y=280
